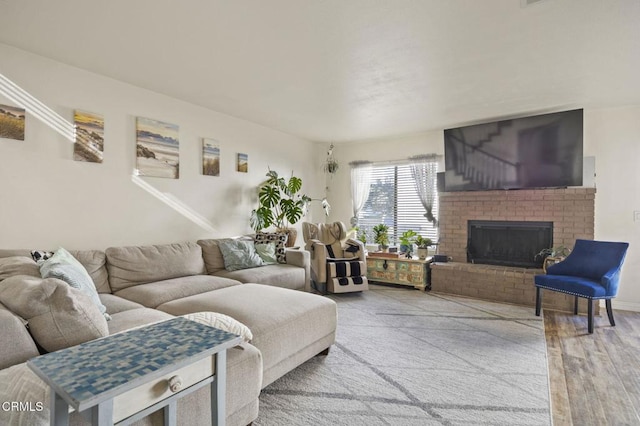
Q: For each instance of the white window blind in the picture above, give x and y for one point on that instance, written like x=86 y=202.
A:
x=393 y=200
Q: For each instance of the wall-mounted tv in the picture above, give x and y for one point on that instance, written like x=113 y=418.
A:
x=541 y=151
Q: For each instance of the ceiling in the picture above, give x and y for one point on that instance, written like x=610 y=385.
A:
x=336 y=70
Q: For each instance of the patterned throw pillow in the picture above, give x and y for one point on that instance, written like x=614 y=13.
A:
x=41 y=255
x=279 y=239
x=223 y=322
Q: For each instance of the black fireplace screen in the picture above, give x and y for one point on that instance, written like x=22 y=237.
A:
x=508 y=243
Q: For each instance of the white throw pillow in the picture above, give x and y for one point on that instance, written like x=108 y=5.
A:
x=63 y=266
x=222 y=322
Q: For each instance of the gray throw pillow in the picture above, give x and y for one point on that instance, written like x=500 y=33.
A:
x=59 y=316
x=18 y=265
x=239 y=254
x=63 y=266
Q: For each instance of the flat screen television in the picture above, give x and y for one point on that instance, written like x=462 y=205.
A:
x=541 y=151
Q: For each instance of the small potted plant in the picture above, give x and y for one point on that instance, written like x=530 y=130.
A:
x=423 y=246
x=552 y=255
x=381 y=236
x=407 y=238
x=361 y=234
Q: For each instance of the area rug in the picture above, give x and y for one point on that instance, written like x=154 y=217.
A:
x=404 y=357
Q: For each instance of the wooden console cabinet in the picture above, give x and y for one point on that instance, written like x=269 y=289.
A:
x=411 y=272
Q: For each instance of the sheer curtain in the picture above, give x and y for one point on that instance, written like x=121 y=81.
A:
x=360 y=187
x=424 y=169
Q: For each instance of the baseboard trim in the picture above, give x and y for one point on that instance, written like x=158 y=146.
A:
x=625 y=306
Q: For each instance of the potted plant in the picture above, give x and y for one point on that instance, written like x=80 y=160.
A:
x=552 y=255
x=361 y=234
x=407 y=238
x=281 y=204
x=381 y=236
x=423 y=246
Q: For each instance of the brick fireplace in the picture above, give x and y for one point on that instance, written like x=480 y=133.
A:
x=570 y=210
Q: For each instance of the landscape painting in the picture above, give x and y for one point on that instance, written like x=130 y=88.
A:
x=210 y=157
x=89 y=145
x=12 y=122
x=243 y=163
x=158 y=148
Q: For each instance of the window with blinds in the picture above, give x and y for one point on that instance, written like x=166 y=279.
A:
x=393 y=200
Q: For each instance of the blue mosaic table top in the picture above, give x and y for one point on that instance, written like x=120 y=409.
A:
x=87 y=374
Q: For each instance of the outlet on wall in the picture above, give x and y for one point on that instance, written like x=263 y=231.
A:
x=636 y=216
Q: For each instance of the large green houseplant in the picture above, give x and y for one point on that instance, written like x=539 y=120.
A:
x=281 y=204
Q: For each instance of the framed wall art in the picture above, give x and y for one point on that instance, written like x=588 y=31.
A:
x=157 y=148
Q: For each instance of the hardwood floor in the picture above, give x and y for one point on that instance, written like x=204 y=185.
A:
x=595 y=379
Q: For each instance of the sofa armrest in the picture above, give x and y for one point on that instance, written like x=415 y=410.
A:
x=318 y=260
x=360 y=252
x=301 y=259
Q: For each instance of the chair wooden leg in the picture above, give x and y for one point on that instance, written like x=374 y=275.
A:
x=610 y=312
x=590 y=303
x=538 y=300
x=575 y=306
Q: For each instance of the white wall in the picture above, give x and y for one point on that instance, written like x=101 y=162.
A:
x=48 y=200
x=612 y=135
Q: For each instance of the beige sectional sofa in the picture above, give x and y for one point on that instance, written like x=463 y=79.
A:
x=142 y=285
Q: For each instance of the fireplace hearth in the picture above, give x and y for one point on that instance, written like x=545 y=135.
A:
x=508 y=243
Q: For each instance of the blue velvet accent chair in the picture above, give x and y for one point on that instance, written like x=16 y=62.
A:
x=592 y=271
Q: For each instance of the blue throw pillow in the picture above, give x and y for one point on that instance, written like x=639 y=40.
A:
x=63 y=266
x=239 y=254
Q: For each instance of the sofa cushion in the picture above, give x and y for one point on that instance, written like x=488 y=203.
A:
x=17 y=344
x=126 y=320
x=283 y=322
x=212 y=255
x=222 y=322
x=280 y=275
x=63 y=266
x=95 y=262
x=153 y=294
x=59 y=316
x=130 y=266
x=18 y=265
x=117 y=304
x=239 y=254
x=278 y=238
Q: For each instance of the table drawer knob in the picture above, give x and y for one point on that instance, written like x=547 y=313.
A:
x=175 y=384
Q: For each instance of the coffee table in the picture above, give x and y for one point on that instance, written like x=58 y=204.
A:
x=124 y=377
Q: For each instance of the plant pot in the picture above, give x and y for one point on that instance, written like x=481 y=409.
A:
x=423 y=253
x=292 y=235
x=383 y=248
x=548 y=261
